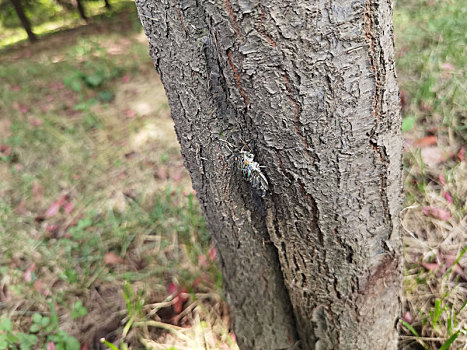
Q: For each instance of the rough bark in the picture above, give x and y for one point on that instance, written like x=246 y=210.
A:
x=24 y=20
x=310 y=89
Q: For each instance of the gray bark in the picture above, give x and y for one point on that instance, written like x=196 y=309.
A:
x=309 y=88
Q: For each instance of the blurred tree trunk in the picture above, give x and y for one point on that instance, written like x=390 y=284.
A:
x=24 y=20
x=107 y=4
x=80 y=7
x=310 y=88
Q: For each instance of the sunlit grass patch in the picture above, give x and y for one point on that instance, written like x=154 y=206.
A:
x=47 y=17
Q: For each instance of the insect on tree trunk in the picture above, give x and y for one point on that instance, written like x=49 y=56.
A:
x=304 y=94
x=24 y=20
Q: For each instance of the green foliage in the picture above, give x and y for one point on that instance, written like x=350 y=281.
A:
x=43 y=329
x=134 y=306
x=79 y=310
x=430 y=37
x=408 y=123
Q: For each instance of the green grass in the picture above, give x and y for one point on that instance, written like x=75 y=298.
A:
x=430 y=46
x=126 y=226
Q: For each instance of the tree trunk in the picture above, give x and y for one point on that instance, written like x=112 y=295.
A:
x=309 y=88
x=24 y=20
x=107 y=4
x=80 y=7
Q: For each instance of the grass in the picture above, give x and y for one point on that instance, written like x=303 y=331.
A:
x=431 y=62
x=100 y=233
x=101 y=237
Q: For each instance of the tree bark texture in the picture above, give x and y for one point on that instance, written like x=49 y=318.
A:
x=24 y=20
x=309 y=88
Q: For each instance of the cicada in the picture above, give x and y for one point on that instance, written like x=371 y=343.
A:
x=251 y=171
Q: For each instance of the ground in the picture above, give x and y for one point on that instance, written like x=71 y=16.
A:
x=101 y=235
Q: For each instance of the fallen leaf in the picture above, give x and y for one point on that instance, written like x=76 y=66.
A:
x=49 y=98
x=172 y=287
x=461 y=154
x=426 y=141
x=441 y=179
x=85 y=346
x=177 y=176
x=125 y=79
x=15 y=88
x=161 y=173
x=5 y=150
x=41 y=287
x=202 y=260
x=436 y=213
x=111 y=258
x=50 y=345
x=53 y=209
x=129 y=112
x=196 y=282
x=448 y=197
x=68 y=207
x=28 y=273
x=52 y=230
x=447 y=66
x=430 y=266
x=62 y=200
x=407 y=317
x=449 y=260
x=21 y=208
x=35 y=121
x=433 y=156
x=179 y=299
x=177 y=304
x=212 y=253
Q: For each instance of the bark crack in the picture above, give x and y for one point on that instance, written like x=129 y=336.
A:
x=237 y=78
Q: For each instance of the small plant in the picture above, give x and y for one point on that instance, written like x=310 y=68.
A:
x=79 y=310
x=43 y=330
x=123 y=346
x=10 y=340
x=443 y=318
x=134 y=306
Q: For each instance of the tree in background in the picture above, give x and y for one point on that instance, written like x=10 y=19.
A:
x=24 y=20
x=287 y=113
x=81 y=11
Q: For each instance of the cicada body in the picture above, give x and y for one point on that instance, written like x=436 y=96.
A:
x=252 y=172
